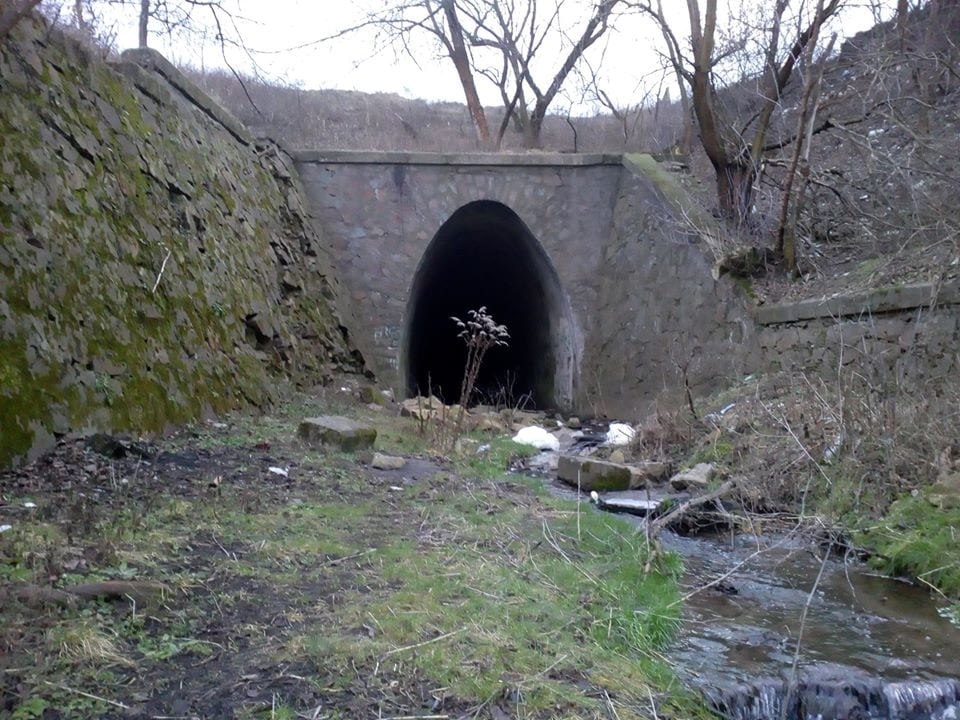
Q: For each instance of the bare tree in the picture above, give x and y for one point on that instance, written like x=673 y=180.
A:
x=630 y=116
x=674 y=58
x=519 y=34
x=499 y=40
x=144 y=24
x=736 y=150
x=457 y=50
x=790 y=205
x=197 y=20
x=189 y=17
x=400 y=22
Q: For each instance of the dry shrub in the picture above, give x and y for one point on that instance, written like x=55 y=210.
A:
x=844 y=448
x=894 y=440
x=666 y=435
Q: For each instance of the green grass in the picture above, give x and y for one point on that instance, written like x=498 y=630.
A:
x=714 y=452
x=467 y=583
x=919 y=540
x=494 y=596
x=485 y=457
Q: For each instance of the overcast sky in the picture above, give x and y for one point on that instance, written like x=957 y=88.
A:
x=270 y=28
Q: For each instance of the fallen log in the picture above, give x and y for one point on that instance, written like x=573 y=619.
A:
x=655 y=526
x=35 y=596
x=142 y=592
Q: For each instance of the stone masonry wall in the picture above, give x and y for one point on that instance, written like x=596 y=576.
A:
x=906 y=336
x=679 y=327
x=663 y=321
x=381 y=210
x=652 y=320
x=644 y=302
x=156 y=263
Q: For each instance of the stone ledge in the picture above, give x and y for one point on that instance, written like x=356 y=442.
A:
x=363 y=157
x=882 y=300
x=150 y=59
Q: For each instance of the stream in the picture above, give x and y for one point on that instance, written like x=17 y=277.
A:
x=871 y=647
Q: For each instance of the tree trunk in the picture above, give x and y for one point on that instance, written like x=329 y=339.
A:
x=12 y=14
x=735 y=190
x=594 y=29
x=686 y=138
x=144 y=21
x=78 y=15
x=458 y=53
x=903 y=11
x=531 y=132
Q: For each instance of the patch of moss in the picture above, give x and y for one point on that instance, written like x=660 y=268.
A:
x=714 y=452
x=161 y=183
x=746 y=286
x=647 y=166
x=919 y=539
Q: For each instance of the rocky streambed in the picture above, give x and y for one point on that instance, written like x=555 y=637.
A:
x=778 y=626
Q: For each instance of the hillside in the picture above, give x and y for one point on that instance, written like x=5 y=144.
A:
x=353 y=120
x=884 y=160
x=885 y=168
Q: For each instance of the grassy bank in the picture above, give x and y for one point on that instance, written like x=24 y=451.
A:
x=873 y=463
x=444 y=589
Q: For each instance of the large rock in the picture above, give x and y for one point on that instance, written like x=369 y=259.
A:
x=639 y=502
x=649 y=472
x=517 y=419
x=380 y=461
x=368 y=394
x=591 y=474
x=486 y=421
x=422 y=408
x=333 y=431
x=696 y=478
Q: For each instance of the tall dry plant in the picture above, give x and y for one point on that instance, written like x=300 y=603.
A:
x=480 y=333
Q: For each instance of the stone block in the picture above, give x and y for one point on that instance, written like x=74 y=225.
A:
x=387 y=462
x=645 y=473
x=334 y=431
x=696 y=478
x=591 y=474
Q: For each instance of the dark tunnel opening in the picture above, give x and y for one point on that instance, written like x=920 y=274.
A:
x=485 y=256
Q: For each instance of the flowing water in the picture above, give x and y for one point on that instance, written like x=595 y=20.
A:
x=776 y=642
x=793 y=633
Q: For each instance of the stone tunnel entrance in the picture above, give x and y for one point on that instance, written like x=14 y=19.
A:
x=484 y=255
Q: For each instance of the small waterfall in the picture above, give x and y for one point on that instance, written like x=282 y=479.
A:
x=937 y=699
x=749 y=701
x=836 y=697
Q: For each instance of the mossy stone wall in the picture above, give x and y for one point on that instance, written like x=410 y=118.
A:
x=156 y=264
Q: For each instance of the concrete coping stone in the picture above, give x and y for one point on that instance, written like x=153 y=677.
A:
x=532 y=159
x=150 y=59
x=881 y=300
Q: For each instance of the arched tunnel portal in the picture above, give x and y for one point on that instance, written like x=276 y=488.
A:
x=485 y=256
